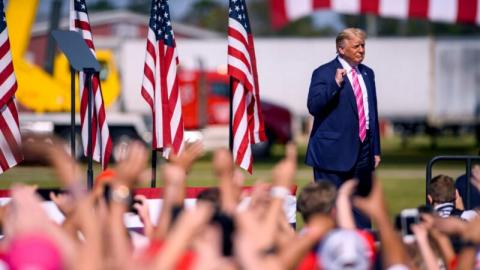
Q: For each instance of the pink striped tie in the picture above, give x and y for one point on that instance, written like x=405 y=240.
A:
x=362 y=121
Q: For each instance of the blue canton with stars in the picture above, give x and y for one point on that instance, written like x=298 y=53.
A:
x=3 y=23
x=160 y=22
x=79 y=5
x=238 y=10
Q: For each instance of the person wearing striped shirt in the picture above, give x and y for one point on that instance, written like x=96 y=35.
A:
x=445 y=199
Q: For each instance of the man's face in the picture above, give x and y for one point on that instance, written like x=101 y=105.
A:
x=353 y=50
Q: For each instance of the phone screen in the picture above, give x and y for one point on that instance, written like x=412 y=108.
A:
x=407 y=222
x=406 y=218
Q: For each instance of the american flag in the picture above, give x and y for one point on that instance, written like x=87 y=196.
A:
x=247 y=122
x=160 y=83
x=449 y=11
x=101 y=142
x=10 y=138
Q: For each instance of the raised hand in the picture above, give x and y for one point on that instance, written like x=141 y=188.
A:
x=223 y=165
x=339 y=76
x=188 y=156
x=174 y=177
x=284 y=172
x=40 y=148
x=129 y=169
x=25 y=213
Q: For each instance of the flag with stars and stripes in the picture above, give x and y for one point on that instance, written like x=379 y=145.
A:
x=447 y=11
x=101 y=142
x=10 y=138
x=160 y=83
x=247 y=123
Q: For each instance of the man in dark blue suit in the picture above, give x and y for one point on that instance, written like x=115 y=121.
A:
x=345 y=140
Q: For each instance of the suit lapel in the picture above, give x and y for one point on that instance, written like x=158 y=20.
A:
x=347 y=85
x=368 y=84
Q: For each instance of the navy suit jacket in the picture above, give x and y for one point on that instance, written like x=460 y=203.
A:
x=334 y=142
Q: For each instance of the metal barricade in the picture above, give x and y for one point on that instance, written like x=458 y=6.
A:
x=468 y=172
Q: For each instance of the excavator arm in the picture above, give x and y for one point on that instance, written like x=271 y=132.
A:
x=38 y=90
x=20 y=18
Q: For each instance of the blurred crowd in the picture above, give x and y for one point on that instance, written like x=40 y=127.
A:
x=223 y=231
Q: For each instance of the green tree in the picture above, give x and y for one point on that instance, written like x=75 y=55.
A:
x=208 y=14
x=140 y=6
x=442 y=29
x=412 y=27
x=101 y=5
x=304 y=27
x=259 y=12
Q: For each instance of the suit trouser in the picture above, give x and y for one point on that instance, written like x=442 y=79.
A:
x=364 y=163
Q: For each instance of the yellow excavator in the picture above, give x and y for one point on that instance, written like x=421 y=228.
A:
x=41 y=92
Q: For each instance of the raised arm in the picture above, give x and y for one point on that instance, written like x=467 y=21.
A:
x=345 y=219
x=224 y=171
x=393 y=250
x=421 y=235
x=128 y=171
x=323 y=88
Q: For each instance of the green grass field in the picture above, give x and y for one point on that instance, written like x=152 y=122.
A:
x=402 y=171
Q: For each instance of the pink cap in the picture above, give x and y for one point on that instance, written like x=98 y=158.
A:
x=33 y=252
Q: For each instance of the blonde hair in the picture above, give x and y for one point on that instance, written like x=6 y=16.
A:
x=348 y=33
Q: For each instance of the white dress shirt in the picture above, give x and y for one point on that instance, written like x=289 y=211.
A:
x=349 y=68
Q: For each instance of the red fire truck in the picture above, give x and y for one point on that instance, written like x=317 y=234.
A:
x=205 y=99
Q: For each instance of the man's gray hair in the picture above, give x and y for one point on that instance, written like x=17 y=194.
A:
x=348 y=33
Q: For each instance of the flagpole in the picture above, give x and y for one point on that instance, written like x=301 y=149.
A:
x=230 y=123
x=72 y=112
x=89 y=75
x=154 y=169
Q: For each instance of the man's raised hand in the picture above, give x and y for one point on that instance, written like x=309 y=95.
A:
x=339 y=75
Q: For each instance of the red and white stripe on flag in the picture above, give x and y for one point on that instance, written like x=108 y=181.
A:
x=449 y=11
x=10 y=137
x=247 y=123
x=101 y=141
x=160 y=83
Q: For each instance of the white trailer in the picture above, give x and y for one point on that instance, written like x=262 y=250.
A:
x=420 y=81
